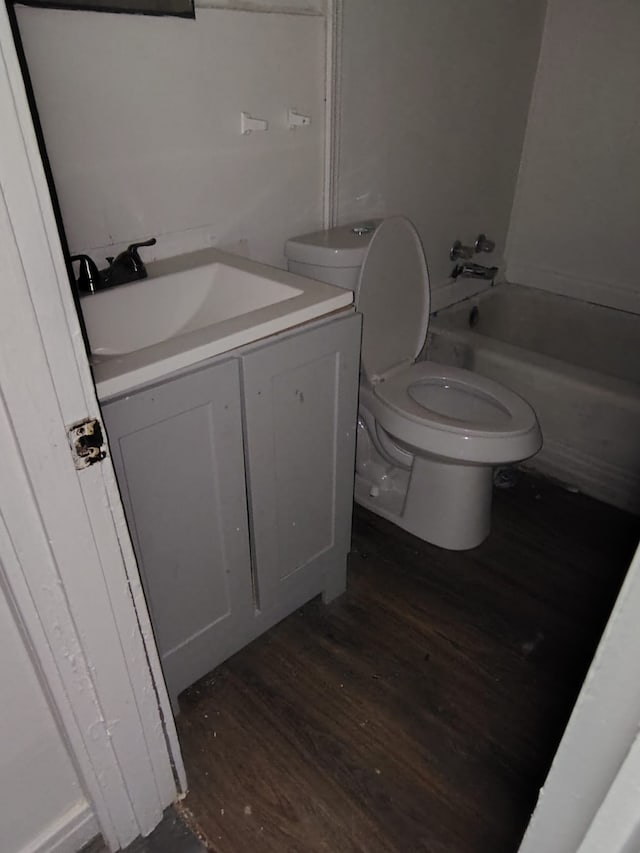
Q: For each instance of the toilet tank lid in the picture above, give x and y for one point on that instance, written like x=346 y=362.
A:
x=344 y=246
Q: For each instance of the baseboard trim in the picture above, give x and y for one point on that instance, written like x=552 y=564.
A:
x=75 y=828
x=594 y=477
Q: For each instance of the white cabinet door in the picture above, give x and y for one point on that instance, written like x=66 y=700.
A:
x=300 y=398
x=177 y=449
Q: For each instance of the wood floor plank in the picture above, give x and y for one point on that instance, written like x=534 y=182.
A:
x=421 y=710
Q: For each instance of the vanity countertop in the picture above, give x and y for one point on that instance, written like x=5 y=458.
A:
x=193 y=307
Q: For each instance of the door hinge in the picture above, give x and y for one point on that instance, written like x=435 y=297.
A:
x=87 y=443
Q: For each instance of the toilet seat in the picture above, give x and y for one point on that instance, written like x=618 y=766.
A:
x=468 y=417
x=429 y=408
x=393 y=295
x=500 y=410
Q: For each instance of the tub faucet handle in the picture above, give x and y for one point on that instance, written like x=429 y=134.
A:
x=484 y=244
x=460 y=252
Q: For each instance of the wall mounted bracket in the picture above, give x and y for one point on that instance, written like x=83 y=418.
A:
x=296 y=119
x=249 y=123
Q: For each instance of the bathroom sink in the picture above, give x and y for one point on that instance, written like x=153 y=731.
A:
x=190 y=308
x=175 y=302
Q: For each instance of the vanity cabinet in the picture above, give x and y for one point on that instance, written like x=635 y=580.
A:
x=237 y=482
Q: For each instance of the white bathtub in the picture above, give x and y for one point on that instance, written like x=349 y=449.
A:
x=578 y=365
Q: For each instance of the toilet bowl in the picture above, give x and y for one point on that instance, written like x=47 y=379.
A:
x=428 y=434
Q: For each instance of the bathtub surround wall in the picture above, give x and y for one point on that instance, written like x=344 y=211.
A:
x=434 y=100
x=576 y=217
x=141 y=118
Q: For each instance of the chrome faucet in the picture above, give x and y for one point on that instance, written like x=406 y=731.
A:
x=483 y=244
x=458 y=252
x=127 y=266
x=470 y=270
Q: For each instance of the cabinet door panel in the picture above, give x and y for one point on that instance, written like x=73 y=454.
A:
x=300 y=413
x=178 y=454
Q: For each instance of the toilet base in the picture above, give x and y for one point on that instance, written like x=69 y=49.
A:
x=444 y=503
x=448 y=504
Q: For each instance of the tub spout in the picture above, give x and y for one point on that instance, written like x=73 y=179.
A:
x=471 y=270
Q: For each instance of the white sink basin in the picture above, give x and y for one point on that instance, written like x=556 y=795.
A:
x=190 y=308
x=144 y=313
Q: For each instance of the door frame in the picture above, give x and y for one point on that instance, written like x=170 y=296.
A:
x=66 y=561
x=332 y=115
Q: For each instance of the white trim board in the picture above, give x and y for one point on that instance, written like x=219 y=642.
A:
x=333 y=59
x=614 y=484
x=616 y=826
x=68 y=562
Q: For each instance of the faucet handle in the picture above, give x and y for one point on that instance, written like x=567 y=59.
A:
x=484 y=244
x=89 y=279
x=132 y=251
x=135 y=246
x=460 y=252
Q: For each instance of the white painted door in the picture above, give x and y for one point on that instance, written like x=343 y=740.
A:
x=67 y=563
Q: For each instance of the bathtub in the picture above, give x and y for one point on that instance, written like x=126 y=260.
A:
x=578 y=364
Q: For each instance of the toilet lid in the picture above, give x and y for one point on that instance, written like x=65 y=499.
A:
x=393 y=296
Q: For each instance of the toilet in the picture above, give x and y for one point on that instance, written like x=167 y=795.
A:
x=429 y=435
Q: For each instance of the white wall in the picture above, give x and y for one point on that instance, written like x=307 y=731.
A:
x=576 y=219
x=40 y=796
x=141 y=118
x=435 y=96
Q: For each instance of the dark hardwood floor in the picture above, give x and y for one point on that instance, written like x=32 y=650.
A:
x=421 y=711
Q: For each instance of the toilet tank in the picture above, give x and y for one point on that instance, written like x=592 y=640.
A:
x=334 y=256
